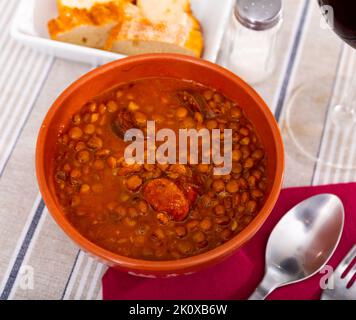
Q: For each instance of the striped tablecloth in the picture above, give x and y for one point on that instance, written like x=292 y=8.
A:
x=31 y=245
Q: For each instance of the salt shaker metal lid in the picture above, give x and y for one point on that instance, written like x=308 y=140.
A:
x=258 y=14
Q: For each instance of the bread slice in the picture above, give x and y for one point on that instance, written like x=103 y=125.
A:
x=137 y=34
x=170 y=11
x=86 y=22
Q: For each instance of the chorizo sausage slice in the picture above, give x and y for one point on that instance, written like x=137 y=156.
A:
x=165 y=196
x=124 y=121
x=190 y=191
x=195 y=102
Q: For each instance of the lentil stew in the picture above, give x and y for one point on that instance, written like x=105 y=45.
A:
x=157 y=211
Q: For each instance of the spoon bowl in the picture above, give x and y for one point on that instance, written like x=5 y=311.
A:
x=302 y=242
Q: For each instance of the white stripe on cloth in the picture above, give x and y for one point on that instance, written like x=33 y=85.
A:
x=5 y=18
x=73 y=277
x=84 y=278
x=96 y=280
x=22 y=107
x=21 y=79
x=91 y=267
x=100 y=294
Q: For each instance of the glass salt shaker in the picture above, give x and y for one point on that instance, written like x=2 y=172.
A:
x=249 y=47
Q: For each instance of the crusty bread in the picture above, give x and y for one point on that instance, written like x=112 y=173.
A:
x=138 y=34
x=86 y=22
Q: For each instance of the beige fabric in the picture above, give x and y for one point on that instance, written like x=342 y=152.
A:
x=50 y=254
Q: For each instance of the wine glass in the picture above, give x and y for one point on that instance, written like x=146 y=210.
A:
x=341 y=15
x=340 y=121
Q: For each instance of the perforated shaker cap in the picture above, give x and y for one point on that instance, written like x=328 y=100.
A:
x=258 y=14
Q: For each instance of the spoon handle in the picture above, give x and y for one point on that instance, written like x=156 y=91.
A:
x=267 y=285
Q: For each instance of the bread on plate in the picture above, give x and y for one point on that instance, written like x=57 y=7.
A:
x=86 y=22
x=128 y=26
x=153 y=26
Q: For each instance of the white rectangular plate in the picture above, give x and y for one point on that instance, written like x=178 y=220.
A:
x=30 y=27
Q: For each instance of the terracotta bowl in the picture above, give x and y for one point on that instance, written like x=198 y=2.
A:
x=158 y=65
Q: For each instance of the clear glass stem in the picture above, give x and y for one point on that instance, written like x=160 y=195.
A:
x=344 y=113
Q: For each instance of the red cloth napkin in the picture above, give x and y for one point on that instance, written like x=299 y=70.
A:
x=237 y=277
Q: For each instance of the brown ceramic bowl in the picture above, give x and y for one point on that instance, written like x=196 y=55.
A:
x=158 y=65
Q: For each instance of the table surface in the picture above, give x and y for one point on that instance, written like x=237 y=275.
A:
x=33 y=247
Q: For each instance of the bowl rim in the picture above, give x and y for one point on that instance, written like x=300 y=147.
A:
x=206 y=258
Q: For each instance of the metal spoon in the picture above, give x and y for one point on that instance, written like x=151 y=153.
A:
x=302 y=243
